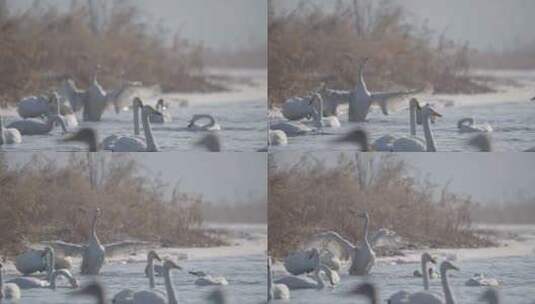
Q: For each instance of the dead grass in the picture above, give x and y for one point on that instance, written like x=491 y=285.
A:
x=43 y=200
x=308 y=46
x=311 y=197
x=42 y=45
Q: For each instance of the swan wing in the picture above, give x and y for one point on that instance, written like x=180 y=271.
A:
x=400 y=297
x=332 y=242
x=149 y=297
x=341 y=96
x=67 y=249
x=129 y=144
x=124 y=246
x=392 y=100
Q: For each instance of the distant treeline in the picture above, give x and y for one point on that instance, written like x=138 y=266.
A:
x=235 y=213
x=254 y=57
x=309 y=45
x=43 y=200
x=513 y=213
x=309 y=197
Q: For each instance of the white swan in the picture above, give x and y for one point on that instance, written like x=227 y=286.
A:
x=128 y=143
x=467 y=125
x=33 y=261
x=277 y=138
x=37 y=126
x=415 y=144
x=425 y=297
x=8 y=292
x=491 y=296
x=154 y=297
x=301 y=282
x=403 y=296
x=360 y=99
x=210 y=126
x=32 y=282
x=367 y=290
x=164 y=116
x=9 y=136
x=126 y=296
x=152 y=270
x=33 y=106
x=276 y=291
x=291 y=128
x=319 y=120
x=385 y=143
x=297 y=108
x=299 y=262
x=362 y=258
x=479 y=279
x=208 y=280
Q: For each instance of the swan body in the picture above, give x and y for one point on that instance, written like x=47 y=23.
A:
x=297 y=108
x=277 y=138
x=30 y=261
x=37 y=126
x=33 y=106
x=152 y=296
x=467 y=125
x=126 y=296
x=9 y=136
x=94 y=253
x=403 y=296
x=8 y=291
x=276 y=291
x=208 y=280
x=292 y=128
x=301 y=282
x=164 y=116
x=430 y=298
x=479 y=279
x=128 y=143
x=299 y=262
x=363 y=259
x=210 y=126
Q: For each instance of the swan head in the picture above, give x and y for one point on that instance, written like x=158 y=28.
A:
x=152 y=255
x=137 y=103
x=426 y=257
x=428 y=111
x=482 y=142
x=447 y=265
x=366 y=290
x=490 y=295
x=168 y=265
x=358 y=136
x=98 y=212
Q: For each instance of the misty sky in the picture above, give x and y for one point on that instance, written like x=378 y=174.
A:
x=499 y=24
x=219 y=177
x=487 y=177
x=229 y=24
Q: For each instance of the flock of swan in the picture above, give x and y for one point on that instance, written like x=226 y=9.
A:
x=310 y=114
x=328 y=252
x=93 y=258
x=40 y=114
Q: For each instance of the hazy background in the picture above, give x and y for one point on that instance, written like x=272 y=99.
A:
x=218 y=177
x=486 y=24
x=229 y=24
x=487 y=177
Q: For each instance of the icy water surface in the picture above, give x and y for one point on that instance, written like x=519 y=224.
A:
x=511 y=115
x=246 y=277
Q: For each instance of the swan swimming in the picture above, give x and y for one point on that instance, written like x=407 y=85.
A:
x=276 y=291
x=164 y=116
x=415 y=144
x=300 y=261
x=37 y=126
x=291 y=128
x=33 y=261
x=403 y=296
x=126 y=296
x=154 y=297
x=425 y=297
x=32 y=282
x=208 y=280
x=277 y=138
x=9 y=136
x=479 y=279
x=467 y=125
x=75 y=96
x=210 y=126
x=300 y=282
x=8 y=291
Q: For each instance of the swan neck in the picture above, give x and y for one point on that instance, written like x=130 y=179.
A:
x=412 y=111
x=361 y=83
x=270 y=282
x=318 y=277
x=1 y=285
x=366 y=223
x=151 y=145
x=136 y=118
x=94 y=228
x=152 y=285
x=171 y=297
x=51 y=266
x=425 y=275
x=2 y=135
x=429 y=140
x=446 y=287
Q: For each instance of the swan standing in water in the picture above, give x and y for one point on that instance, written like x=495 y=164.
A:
x=9 y=136
x=210 y=126
x=8 y=291
x=466 y=125
x=403 y=296
x=295 y=282
x=164 y=116
x=491 y=296
x=277 y=138
x=126 y=296
x=425 y=297
x=368 y=291
x=276 y=291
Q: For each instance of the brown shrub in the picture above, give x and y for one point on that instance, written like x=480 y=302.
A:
x=310 y=197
